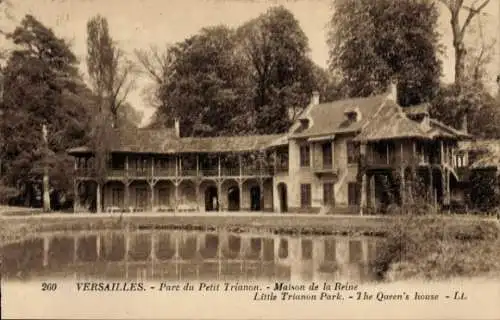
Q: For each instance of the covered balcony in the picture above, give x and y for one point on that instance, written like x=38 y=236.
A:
x=122 y=166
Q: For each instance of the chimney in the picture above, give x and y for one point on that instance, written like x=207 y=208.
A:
x=315 y=98
x=465 y=123
x=291 y=113
x=393 y=90
x=177 y=127
x=426 y=122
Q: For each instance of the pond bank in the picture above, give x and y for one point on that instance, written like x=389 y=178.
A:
x=15 y=226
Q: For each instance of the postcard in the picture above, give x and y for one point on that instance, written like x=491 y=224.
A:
x=249 y=159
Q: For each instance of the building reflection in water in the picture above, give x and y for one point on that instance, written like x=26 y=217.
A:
x=183 y=255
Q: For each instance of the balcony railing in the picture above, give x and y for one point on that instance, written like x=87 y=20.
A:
x=209 y=172
x=164 y=172
x=188 y=172
x=138 y=172
x=250 y=171
x=324 y=168
x=113 y=172
x=230 y=171
x=382 y=160
x=148 y=172
x=379 y=159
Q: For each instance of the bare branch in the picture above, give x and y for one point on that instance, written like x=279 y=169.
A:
x=155 y=63
x=472 y=13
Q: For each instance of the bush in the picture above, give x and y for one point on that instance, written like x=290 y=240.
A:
x=7 y=193
x=435 y=247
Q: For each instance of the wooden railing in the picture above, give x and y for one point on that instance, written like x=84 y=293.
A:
x=164 y=172
x=211 y=171
x=393 y=159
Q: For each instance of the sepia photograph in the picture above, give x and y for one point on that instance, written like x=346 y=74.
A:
x=250 y=159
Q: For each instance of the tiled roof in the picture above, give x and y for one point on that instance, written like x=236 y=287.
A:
x=418 y=109
x=381 y=118
x=390 y=122
x=165 y=141
x=393 y=121
x=226 y=144
x=328 y=118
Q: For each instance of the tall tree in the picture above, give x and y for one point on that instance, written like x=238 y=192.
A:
x=459 y=30
x=205 y=84
x=372 y=42
x=109 y=71
x=469 y=99
x=480 y=54
x=42 y=87
x=276 y=50
x=155 y=64
x=328 y=85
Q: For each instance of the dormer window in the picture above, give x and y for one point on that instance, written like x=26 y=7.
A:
x=352 y=114
x=419 y=113
x=304 y=123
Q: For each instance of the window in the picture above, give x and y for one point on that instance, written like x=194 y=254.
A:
x=353 y=151
x=307 y=249
x=282 y=162
x=305 y=156
x=327 y=155
x=460 y=160
x=328 y=194
x=353 y=193
x=117 y=197
x=305 y=195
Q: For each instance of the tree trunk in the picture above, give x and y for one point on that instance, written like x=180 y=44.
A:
x=46 y=194
x=459 y=64
x=98 y=206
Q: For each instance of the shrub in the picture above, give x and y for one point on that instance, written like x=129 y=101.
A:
x=436 y=247
x=7 y=193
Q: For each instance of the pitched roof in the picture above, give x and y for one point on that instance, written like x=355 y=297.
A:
x=417 y=109
x=165 y=141
x=443 y=130
x=328 y=118
x=381 y=118
x=390 y=122
x=226 y=144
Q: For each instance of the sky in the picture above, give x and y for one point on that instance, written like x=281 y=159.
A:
x=137 y=24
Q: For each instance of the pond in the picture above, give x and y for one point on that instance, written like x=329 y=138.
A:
x=188 y=255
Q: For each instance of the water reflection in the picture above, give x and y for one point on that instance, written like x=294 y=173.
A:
x=183 y=255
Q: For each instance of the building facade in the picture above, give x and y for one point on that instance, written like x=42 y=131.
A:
x=338 y=157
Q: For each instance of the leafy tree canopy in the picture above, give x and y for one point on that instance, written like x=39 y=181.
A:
x=372 y=42
x=42 y=86
x=223 y=81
